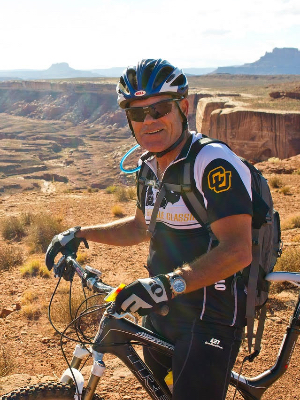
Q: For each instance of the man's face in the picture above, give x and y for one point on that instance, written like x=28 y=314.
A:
x=158 y=134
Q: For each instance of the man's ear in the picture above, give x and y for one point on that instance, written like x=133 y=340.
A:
x=184 y=105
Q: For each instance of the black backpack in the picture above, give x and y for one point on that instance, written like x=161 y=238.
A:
x=266 y=233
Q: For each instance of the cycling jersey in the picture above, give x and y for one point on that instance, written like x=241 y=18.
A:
x=223 y=185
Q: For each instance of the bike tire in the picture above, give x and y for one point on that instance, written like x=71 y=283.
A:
x=49 y=391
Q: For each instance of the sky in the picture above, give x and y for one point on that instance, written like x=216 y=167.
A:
x=91 y=34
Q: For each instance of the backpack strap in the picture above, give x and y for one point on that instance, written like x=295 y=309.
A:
x=186 y=188
x=252 y=284
x=143 y=178
x=257 y=239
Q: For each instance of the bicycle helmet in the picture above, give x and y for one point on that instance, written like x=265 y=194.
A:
x=151 y=78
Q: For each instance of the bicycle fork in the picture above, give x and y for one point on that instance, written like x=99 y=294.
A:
x=73 y=373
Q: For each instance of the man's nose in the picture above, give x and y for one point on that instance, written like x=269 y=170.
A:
x=148 y=118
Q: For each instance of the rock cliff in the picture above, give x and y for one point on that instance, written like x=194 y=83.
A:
x=74 y=132
x=254 y=134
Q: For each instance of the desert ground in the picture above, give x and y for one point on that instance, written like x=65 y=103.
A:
x=31 y=345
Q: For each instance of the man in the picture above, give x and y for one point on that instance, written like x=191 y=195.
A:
x=196 y=276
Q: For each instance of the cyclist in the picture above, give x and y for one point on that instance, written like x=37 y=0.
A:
x=198 y=277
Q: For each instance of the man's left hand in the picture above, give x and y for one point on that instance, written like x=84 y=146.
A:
x=144 y=295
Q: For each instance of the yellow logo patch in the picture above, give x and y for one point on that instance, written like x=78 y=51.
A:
x=219 y=179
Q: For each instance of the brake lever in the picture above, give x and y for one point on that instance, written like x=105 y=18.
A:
x=126 y=315
x=85 y=243
x=111 y=311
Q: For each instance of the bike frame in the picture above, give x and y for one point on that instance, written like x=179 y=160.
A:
x=117 y=334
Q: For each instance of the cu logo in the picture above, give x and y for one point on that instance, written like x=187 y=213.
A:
x=219 y=180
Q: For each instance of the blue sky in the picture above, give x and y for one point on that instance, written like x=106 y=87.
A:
x=90 y=34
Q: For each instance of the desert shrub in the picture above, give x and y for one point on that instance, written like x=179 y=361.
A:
x=34 y=268
x=92 y=190
x=296 y=238
x=6 y=362
x=32 y=308
x=117 y=211
x=42 y=230
x=32 y=311
x=278 y=287
x=81 y=257
x=26 y=218
x=285 y=190
x=274 y=160
x=296 y=172
x=291 y=223
x=12 y=229
x=121 y=194
x=110 y=189
x=275 y=182
x=289 y=261
x=60 y=311
x=28 y=297
x=10 y=256
x=131 y=192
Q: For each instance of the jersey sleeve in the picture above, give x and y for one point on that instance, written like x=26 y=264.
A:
x=225 y=183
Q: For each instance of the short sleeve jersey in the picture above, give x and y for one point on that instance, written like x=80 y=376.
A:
x=223 y=183
x=222 y=179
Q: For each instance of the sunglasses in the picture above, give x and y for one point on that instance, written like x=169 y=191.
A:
x=156 y=110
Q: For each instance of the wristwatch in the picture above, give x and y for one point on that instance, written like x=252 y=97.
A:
x=177 y=283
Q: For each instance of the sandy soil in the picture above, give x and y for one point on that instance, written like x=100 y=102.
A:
x=33 y=345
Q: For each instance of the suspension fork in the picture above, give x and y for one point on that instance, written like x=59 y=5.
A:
x=97 y=371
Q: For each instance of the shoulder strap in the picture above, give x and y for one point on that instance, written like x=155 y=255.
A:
x=186 y=188
x=143 y=176
x=189 y=192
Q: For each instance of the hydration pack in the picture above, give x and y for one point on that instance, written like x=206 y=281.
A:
x=266 y=233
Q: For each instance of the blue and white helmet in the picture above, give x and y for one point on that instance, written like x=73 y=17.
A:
x=151 y=78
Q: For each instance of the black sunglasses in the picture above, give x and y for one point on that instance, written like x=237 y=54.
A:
x=156 y=110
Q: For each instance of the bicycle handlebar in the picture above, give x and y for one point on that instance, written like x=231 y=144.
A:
x=90 y=278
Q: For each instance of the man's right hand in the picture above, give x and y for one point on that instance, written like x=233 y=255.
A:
x=66 y=240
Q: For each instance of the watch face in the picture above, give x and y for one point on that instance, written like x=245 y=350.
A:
x=179 y=286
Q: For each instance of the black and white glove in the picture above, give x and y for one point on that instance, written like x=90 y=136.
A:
x=144 y=295
x=65 y=240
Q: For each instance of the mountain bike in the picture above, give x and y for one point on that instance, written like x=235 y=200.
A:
x=118 y=334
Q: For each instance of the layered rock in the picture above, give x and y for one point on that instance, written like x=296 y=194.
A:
x=254 y=134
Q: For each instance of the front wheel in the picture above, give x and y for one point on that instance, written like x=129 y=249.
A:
x=49 y=391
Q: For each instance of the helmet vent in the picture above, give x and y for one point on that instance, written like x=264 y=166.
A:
x=179 y=81
x=147 y=74
x=131 y=74
x=170 y=78
x=162 y=76
x=122 y=87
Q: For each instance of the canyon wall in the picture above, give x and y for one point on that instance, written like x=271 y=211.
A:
x=254 y=134
x=61 y=86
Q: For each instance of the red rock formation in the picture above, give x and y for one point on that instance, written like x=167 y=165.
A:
x=253 y=134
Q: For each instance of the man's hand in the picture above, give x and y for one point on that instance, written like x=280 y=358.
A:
x=65 y=239
x=144 y=295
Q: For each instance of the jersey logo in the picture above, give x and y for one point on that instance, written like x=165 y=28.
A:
x=219 y=179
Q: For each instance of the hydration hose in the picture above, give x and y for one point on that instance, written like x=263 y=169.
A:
x=129 y=171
